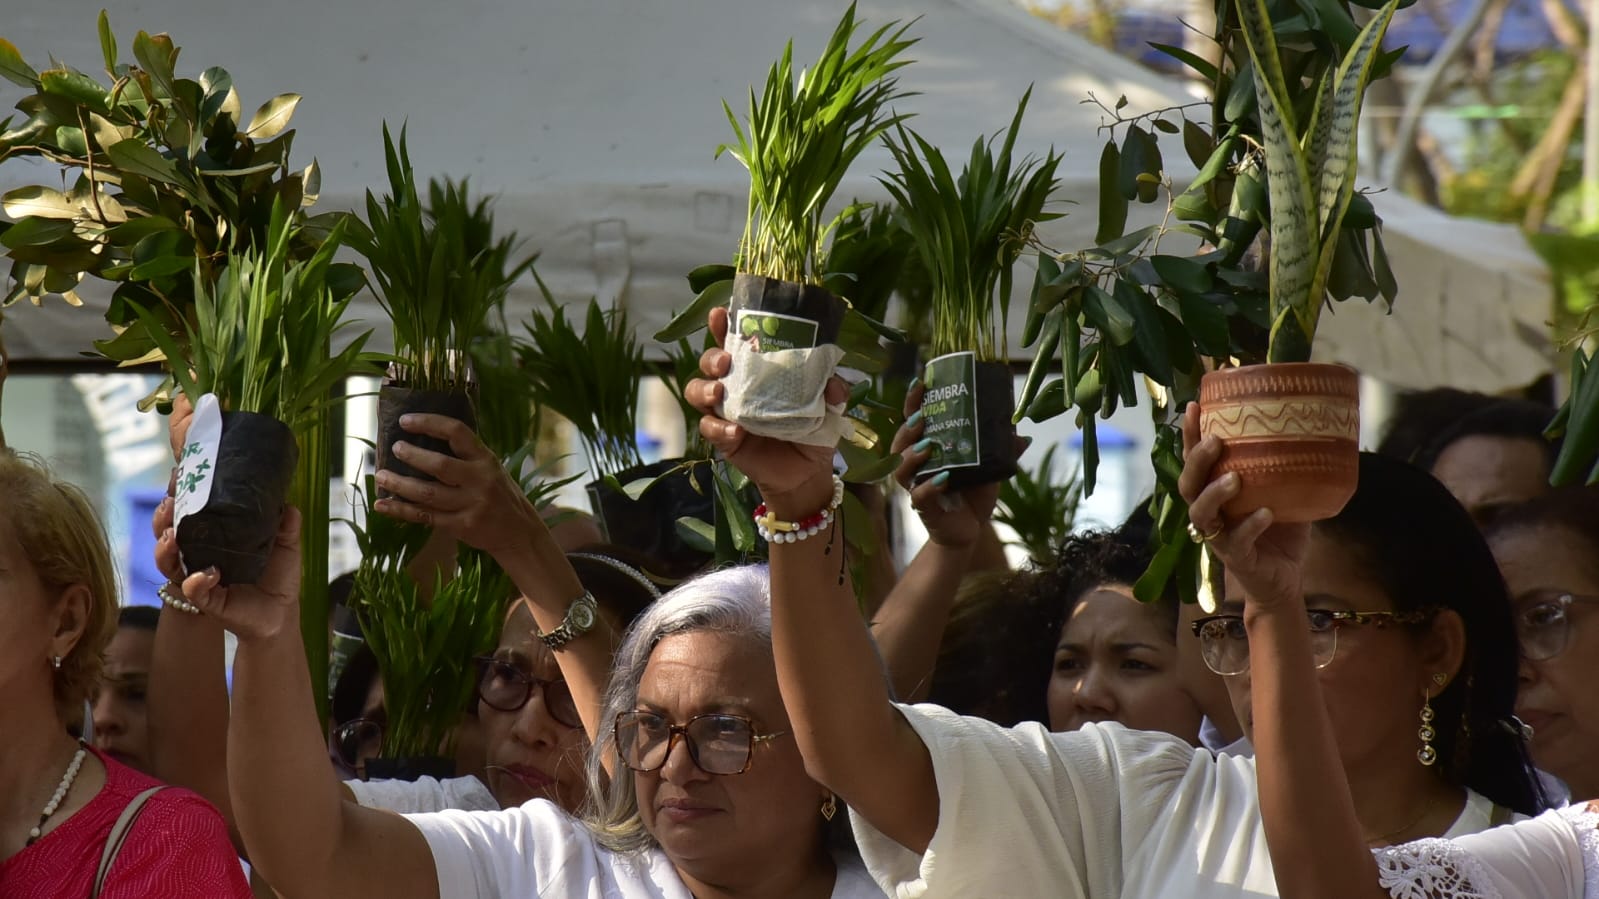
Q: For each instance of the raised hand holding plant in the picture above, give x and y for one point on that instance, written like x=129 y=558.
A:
x=968 y=232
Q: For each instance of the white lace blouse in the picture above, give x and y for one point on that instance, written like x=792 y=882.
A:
x=1552 y=856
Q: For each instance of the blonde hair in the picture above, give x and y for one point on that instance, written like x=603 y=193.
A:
x=62 y=539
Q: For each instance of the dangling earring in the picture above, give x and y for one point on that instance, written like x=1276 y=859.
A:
x=829 y=808
x=1426 y=754
x=55 y=662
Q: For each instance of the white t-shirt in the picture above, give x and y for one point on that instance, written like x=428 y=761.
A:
x=1096 y=813
x=425 y=794
x=537 y=850
x=1552 y=856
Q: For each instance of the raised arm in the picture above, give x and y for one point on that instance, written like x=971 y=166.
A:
x=1317 y=848
x=909 y=627
x=476 y=500
x=853 y=741
x=306 y=840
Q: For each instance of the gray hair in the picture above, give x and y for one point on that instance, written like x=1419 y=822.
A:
x=734 y=601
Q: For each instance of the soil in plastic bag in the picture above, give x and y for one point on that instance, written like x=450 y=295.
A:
x=789 y=307
x=236 y=528
x=967 y=406
x=395 y=400
x=649 y=523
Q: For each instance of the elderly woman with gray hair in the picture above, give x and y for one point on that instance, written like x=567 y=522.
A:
x=698 y=788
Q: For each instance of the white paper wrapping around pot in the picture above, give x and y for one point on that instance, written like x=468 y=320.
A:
x=778 y=394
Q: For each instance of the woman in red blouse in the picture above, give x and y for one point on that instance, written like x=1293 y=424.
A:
x=60 y=799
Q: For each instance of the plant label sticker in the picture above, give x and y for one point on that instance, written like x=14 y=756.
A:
x=768 y=331
x=198 y=460
x=949 y=406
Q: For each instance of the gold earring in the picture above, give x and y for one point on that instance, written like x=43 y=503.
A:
x=829 y=808
x=1426 y=754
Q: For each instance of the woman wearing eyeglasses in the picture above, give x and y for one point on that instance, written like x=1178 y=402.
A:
x=951 y=806
x=1317 y=841
x=1548 y=551
x=532 y=734
x=706 y=795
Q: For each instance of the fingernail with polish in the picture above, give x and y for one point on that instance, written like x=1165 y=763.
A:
x=923 y=445
x=913 y=418
x=941 y=479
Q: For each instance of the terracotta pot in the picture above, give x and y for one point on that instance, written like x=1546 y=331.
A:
x=1291 y=431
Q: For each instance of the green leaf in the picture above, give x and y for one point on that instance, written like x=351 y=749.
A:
x=1112 y=201
x=706 y=275
x=272 y=118
x=1293 y=205
x=39 y=201
x=14 y=69
x=108 y=43
x=1183 y=274
x=1107 y=314
x=1335 y=139
x=1206 y=323
x=697 y=535
x=1201 y=66
x=135 y=156
x=716 y=295
x=34 y=231
x=157 y=55
x=75 y=87
x=1149 y=332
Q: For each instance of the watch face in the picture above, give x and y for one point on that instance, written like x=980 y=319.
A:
x=582 y=613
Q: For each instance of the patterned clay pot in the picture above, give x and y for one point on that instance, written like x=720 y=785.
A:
x=1291 y=431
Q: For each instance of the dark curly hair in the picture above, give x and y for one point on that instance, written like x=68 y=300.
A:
x=999 y=646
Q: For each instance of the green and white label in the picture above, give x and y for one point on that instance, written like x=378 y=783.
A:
x=949 y=406
x=197 y=462
x=767 y=331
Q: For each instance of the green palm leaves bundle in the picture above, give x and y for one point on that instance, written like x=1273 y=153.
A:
x=801 y=138
x=439 y=269
x=589 y=377
x=262 y=331
x=969 y=230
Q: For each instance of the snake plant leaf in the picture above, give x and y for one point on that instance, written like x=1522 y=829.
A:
x=1293 y=208
x=1334 y=168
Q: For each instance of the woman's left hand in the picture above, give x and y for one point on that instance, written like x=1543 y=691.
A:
x=1265 y=558
x=953 y=518
x=474 y=498
x=266 y=608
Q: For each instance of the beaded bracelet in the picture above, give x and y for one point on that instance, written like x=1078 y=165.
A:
x=773 y=530
x=170 y=598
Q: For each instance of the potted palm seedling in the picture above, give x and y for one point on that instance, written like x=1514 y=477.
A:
x=591 y=378
x=798 y=141
x=440 y=270
x=1039 y=507
x=424 y=637
x=1577 y=422
x=969 y=232
x=256 y=362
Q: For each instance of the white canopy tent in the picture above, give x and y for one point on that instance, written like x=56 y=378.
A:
x=595 y=123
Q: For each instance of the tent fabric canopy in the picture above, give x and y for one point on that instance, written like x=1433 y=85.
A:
x=595 y=124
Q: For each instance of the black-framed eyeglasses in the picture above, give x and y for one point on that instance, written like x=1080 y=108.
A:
x=357 y=740
x=1544 y=625
x=1224 y=641
x=718 y=744
x=501 y=685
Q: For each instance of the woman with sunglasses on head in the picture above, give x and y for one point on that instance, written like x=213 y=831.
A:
x=532 y=734
x=951 y=806
x=706 y=794
x=1318 y=845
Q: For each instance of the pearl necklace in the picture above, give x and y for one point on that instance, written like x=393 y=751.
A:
x=60 y=794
